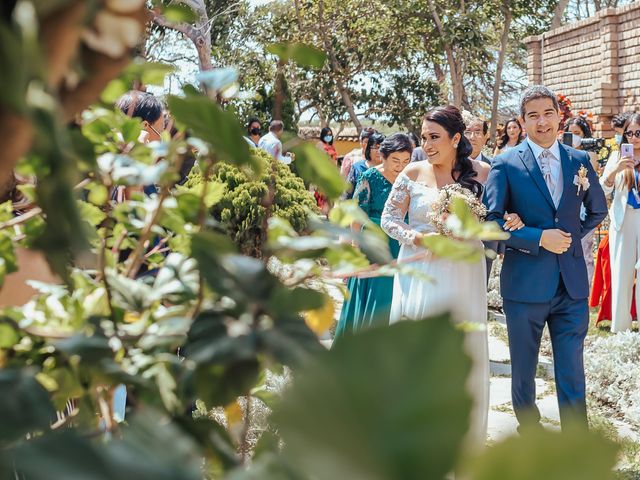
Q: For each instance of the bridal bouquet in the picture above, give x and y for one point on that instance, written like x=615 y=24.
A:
x=441 y=209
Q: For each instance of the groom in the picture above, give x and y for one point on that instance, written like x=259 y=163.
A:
x=544 y=276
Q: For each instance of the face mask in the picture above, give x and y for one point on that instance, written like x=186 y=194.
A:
x=254 y=131
x=328 y=138
x=618 y=138
x=577 y=141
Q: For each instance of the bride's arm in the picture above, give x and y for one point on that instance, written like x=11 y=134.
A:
x=395 y=211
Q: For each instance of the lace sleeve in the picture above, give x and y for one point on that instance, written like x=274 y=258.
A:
x=362 y=193
x=395 y=211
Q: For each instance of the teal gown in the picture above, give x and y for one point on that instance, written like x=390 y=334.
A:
x=369 y=300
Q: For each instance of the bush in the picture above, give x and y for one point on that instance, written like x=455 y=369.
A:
x=612 y=367
x=242 y=211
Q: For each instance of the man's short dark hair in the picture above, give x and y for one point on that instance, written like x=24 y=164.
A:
x=276 y=126
x=141 y=105
x=620 y=119
x=534 y=92
x=367 y=132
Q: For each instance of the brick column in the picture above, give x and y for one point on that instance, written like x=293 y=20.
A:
x=606 y=89
x=534 y=59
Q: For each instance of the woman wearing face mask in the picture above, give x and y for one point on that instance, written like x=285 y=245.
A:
x=511 y=136
x=622 y=175
x=371 y=159
x=326 y=144
x=369 y=301
x=254 y=131
x=579 y=128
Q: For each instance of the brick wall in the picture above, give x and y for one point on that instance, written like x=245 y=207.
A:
x=595 y=62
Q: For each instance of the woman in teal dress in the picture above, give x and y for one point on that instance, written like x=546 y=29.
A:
x=369 y=300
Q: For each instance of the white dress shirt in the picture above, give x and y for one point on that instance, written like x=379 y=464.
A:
x=554 y=164
x=271 y=144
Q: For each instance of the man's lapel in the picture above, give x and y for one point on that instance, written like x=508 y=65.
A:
x=567 y=174
x=526 y=155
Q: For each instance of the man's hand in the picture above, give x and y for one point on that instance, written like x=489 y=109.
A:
x=555 y=240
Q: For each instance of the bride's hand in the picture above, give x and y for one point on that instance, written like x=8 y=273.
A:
x=417 y=241
x=512 y=222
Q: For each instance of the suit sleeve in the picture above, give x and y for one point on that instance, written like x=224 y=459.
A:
x=594 y=200
x=496 y=198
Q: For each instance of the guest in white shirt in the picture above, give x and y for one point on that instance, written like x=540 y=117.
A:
x=621 y=178
x=477 y=133
x=271 y=143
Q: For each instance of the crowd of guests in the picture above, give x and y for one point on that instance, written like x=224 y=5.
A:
x=612 y=270
x=371 y=168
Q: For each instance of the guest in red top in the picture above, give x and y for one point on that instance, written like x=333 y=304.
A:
x=601 y=290
x=326 y=143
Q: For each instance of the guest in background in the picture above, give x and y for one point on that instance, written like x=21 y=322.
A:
x=512 y=135
x=621 y=176
x=617 y=124
x=580 y=129
x=271 y=143
x=326 y=144
x=371 y=159
x=254 y=129
x=418 y=153
x=477 y=133
x=149 y=109
x=369 y=301
x=357 y=154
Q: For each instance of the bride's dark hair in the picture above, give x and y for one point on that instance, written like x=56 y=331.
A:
x=450 y=118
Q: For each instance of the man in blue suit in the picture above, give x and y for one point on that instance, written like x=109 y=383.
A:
x=544 y=275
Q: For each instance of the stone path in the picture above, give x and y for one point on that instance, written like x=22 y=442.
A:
x=502 y=421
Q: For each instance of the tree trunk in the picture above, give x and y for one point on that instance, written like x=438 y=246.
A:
x=455 y=72
x=198 y=33
x=279 y=91
x=558 y=13
x=504 y=43
x=337 y=71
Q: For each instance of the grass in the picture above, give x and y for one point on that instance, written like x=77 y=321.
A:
x=629 y=456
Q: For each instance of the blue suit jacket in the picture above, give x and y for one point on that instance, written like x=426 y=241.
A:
x=530 y=273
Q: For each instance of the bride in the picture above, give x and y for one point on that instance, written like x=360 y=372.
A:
x=457 y=287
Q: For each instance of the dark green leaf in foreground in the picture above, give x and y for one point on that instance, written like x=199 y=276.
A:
x=548 y=455
x=302 y=54
x=24 y=405
x=210 y=123
x=315 y=167
x=389 y=403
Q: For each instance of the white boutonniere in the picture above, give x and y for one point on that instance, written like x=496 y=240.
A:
x=581 y=180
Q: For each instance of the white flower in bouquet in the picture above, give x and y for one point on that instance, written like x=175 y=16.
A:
x=440 y=215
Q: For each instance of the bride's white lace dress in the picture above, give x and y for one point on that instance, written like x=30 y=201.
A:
x=457 y=287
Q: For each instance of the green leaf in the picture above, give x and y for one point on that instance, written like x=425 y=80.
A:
x=399 y=413
x=458 y=250
x=315 y=167
x=217 y=127
x=179 y=13
x=98 y=194
x=303 y=54
x=541 y=454
x=90 y=213
x=8 y=336
x=24 y=404
x=89 y=348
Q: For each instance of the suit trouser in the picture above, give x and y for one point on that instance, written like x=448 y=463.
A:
x=568 y=322
x=624 y=245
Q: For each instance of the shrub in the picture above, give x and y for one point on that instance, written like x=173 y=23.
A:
x=612 y=367
x=242 y=211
